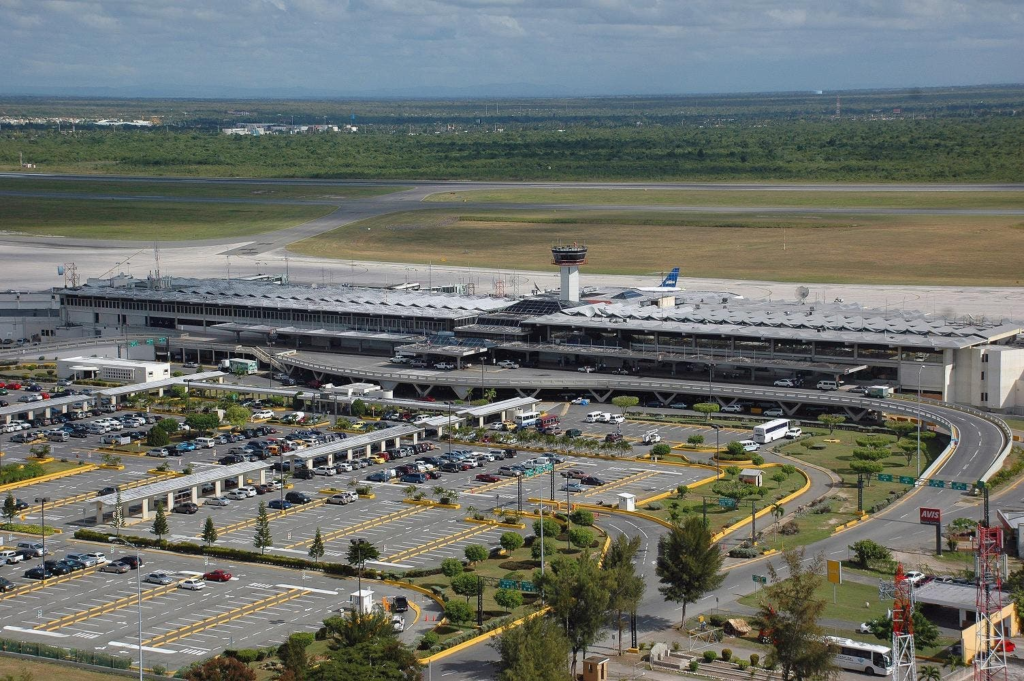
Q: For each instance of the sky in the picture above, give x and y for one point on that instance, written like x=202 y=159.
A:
x=572 y=47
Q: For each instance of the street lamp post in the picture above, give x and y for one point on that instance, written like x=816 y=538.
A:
x=919 y=370
x=718 y=460
x=449 y=426
x=542 y=539
x=711 y=377
x=42 y=519
x=138 y=586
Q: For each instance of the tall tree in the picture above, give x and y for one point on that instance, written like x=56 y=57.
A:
x=117 y=520
x=261 y=538
x=790 y=614
x=365 y=646
x=160 y=526
x=316 y=549
x=625 y=402
x=625 y=587
x=237 y=416
x=688 y=564
x=221 y=669
x=831 y=420
x=536 y=650
x=707 y=408
x=577 y=591
x=209 y=531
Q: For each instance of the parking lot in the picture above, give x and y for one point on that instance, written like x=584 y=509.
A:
x=259 y=606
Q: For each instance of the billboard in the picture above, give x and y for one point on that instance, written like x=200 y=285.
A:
x=931 y=516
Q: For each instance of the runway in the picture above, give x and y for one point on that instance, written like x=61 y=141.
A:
x=30 y=262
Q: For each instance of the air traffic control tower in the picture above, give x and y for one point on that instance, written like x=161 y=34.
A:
x=569 y=258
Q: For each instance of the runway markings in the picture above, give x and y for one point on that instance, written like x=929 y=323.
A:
x=223 y=618
x=439 y=543
x=124 y=602
x=365 y=525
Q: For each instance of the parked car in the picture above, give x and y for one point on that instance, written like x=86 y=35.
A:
x=342 y=498
x=236 y=495
x=488 y=477
x=133 y=562
x=38 y=573
x=192 y=584
x=773 y=413
x=217 y=501
x=401 y=604
x=508 y=364
x=6 y=585
x=794 y=433
x=84 y=558
x=785 y=383
x=217 y=576
x=117 y=568
x=571 y=487
x=298 y=498
x=57 y=567
x=732 y=409
x=279 y=505
x=613 y=437
x=161 y=578
x=187 y=507
x=592 y=481
x=915 y=578
x=160 y=452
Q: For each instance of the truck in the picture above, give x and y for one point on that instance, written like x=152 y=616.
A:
x=240 y=366
x=882 y=391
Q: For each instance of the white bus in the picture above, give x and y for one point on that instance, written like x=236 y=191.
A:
x=527 y=419
x=771 y=431
x=869 y=658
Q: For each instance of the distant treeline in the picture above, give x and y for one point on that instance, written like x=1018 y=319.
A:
x=969 y=149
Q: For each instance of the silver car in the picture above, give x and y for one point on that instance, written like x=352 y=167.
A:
x=161 y=578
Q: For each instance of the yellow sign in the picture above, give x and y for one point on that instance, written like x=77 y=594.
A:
x=834 y=571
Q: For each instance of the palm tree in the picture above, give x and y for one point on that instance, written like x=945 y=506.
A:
x=929 y=673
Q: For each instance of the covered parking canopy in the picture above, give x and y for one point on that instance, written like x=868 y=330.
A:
x=360 y=444
x=483 y=411
x=163 y=491
x=28 y=409
x=159 y=386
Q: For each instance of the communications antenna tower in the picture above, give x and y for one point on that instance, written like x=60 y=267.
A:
x=990 y=646
x=839 y=108
x=904 y=664
x=70 y=275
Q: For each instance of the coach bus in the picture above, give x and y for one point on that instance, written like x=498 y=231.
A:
x=869 y=658
x=771 y=431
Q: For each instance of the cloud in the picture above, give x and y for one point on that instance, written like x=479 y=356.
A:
x=591 y=46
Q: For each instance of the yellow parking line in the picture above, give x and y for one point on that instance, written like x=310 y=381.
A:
x=273 y=515
x=620 y=482
x=359 y=527
x=124 y=602
x=52 y=581
x=439 y=543
x=487 y=487
x=223 y=618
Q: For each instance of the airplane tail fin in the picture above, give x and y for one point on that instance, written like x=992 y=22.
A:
x=672 y=277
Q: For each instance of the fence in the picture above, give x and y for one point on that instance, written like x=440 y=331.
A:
x=64 y=654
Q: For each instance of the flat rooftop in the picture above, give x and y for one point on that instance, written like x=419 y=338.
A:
x=112 y=362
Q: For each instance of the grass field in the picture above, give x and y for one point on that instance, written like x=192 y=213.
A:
x=741 y=198
x=30 y=670
x=148 y=221
x=855 y=249
x=233 y=190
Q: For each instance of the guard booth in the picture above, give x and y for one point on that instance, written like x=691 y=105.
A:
x=595 y=668
x=362 y=601
x=627 y=502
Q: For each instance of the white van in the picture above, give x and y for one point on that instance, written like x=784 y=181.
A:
x=593 y=417
x=205 y=442
x=58 y=436
x=828 y=385
x=749 y=445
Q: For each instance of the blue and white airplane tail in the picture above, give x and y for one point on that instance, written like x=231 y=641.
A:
x=670 y=280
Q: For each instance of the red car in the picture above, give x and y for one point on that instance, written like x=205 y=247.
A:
x=217 y=576
x=488 y=477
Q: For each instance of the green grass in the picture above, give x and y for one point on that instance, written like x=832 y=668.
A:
x=232 y=190
x=788 y=199
x=149 y=221
x=720 y=517
x=919 y=249
x=837 y=458
x=1015 y=423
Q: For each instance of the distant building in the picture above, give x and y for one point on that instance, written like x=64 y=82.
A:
x=109 y=369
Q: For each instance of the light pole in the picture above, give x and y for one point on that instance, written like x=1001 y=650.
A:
x=718 y=460
x=542 y=539
x=449 y=403
x=138 y=585
x=711 y=376
x=42 y=520
x=920 y=368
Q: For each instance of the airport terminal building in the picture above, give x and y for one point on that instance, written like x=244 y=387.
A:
x=969 y=361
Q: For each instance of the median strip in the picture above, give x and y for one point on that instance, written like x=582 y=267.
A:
x=124 y=602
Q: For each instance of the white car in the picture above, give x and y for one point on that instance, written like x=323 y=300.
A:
x=616 y=418
x=398 y=623
x=864 y=628
x=749 y=445
x=915 y=578
x=343 y=467
x=444 y=366
x=773 y=412
x=263 y=414
x=192 y=584
x=249 y=491
x=159 y=452
x=651 y=438
x=732 y=409
x=161 y=578
x=784 y=383
x=342 y=498
x=605 y=417
x=508 y=364
x=98 y=557
x=324 y=470
x=236 y=495
x=585 y=370
x=217 y=501
x=794 y=433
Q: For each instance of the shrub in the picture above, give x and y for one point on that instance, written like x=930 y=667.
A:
x=757 y=460
x=246 y=655
x=710 y=656
x=742 y=665
x=653 y=506
x=451 y=567
x=582 y=517
x=694 y=665
x=458 y=611
x=551 y=528
x=581 y=537
x=726 y=654
x=550 y=548
x=743 y=552
x=754 y=659
x=429 y=640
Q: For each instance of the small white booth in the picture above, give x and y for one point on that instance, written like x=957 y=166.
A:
x=627 y=502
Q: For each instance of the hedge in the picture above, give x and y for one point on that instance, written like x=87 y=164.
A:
x=340 y=569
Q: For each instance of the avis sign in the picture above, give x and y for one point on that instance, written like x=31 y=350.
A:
x=931 y=516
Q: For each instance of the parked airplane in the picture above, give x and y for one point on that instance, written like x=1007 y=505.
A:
x=667 y=286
